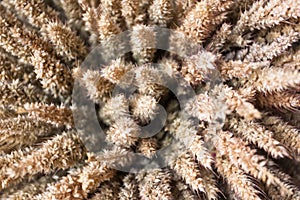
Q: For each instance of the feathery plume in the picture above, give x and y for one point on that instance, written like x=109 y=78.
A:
x=115 y=108
x=23 y=131
x=196 y=68
x=73 y=11
x=236 y=102
x=283 y=132
x=143 y=42
x=209 y=15
x=124 y=132
x=79 y=183
x=161 y=12
x=67 y=44
x=272 y=79
x=148 y=146
x=264 y=14
x=287 y=35
x=98 y=88
x=198 y=179
x=184 y=131
x=116 y=71
x=285 y=100
x=144 y=107
x=237 y=179
x=42 y=14
x=258 y=135
x=62 y=152
x=114 y=8
x=56 y=115
x=156 y=185
x=255 y=166
x=131 y=11
x=129 y=191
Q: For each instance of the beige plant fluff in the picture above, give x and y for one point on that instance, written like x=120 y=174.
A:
x=241 y=139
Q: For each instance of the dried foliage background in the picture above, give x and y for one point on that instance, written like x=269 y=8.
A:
x=254 y=44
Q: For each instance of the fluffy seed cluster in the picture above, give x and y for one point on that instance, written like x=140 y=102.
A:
x=241 y=139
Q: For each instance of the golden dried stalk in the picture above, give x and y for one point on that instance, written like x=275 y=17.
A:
x=22 y=131
x=148 y=146
x=241 y=59
x=199 y=179
x=67 y=44
x=283 y=132
x=57 y=115
x=129 y=191
x=272 y=79
x=39 y=16
x=156 y=185
x=240 y=183
x=286 y=100
x=143 y=43
x=62 y=152
x=208 y=15
x=80 y=182
x=255 y=166
x=258 y=135
x=161 y=12
x=184 y=131
x=284 y=38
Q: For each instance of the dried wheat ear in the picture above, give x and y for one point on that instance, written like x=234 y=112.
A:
x=245 y=144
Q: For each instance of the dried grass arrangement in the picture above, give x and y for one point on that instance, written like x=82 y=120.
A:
x=253 y=44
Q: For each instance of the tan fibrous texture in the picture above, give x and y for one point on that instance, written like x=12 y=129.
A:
x=156 y=185
x=131 y=10
x=124 y=132
x=39 y=16
x=150 y=81
x=161 y=12
x=238 y=180
x=56 y=115
x=143 y=43
x=114 y=109
x=283 y=132
x=98 y=87
x=116 y=71
x=257 y=134
x=201 y=21
x=281 y=39
x=23 y=131
x=107 y=190
x=274 y=79
x=61 y=152
x=286 y=100
x=66 y=42
x=255 y=166
x=267 y=14
x=80 y=182
x=203 y=103
x=183 y=130
x=196 y=67
x=129 y=190
x=148 y=146
x=144 y=107
x=198 y=178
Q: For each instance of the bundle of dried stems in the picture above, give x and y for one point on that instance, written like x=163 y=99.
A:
x=245 y=144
